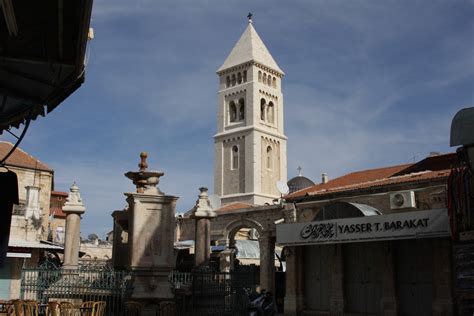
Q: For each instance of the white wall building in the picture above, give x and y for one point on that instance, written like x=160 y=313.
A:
x=250 y=144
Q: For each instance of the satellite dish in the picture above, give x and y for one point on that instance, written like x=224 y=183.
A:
x=282 y=187
x=215 y=201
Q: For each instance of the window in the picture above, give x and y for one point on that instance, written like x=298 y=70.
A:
x=274 y=82
x=264 y=78
x=262 y=109
x=233 y=80
x=269 y=157
x=241 y=109
x=259 y=76
x=227 y=82
x=232 y=111
x=235 y=157
x=245 y=75
x=270 y=113
x=239 y=78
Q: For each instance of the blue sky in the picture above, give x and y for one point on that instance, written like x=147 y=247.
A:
x=368 y=84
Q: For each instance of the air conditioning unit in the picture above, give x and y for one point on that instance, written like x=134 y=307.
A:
x=402 y=199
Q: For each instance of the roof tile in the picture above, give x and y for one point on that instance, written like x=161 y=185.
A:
x=20 y=158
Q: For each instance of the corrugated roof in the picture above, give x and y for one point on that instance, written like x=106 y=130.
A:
x=22 y=243
x=20 y=158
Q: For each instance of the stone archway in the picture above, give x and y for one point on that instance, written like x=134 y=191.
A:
x=233 y=227
x=266 y=241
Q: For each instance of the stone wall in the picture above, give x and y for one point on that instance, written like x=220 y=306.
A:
x=42 y=179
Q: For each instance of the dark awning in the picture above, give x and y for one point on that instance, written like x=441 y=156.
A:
x=42 y=50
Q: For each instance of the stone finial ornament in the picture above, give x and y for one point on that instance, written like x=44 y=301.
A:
x=143 y=165
x=203 y=206
x=145 y=181
x=74 y=202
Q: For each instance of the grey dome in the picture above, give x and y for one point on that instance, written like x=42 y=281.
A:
x=299 y=183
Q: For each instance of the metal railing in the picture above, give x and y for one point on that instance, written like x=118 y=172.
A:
x=45 y=284
x=180 y=279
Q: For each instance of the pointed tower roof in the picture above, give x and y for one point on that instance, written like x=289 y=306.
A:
x=250 y=47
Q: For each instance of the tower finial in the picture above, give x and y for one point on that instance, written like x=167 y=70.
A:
x=299 y=170
x=250 y=17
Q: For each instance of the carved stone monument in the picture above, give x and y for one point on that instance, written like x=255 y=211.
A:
x=151 y=222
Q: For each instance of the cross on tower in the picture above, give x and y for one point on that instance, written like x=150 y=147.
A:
x=299 y=171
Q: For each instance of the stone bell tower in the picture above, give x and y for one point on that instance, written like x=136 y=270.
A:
x=250 y=144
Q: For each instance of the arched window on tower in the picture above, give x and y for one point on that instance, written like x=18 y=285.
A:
x=232 y=111
x=233 y=80
x=259 y=76
x=241 y=109
x=264 y=78
x=262 y=109
x=274 y=82
x=235 y=157
x=227 y=82
x=269 y=157
x=270 y=113
x=245 y=75
x=239 y=78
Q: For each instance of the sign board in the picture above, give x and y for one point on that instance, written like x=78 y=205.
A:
x=420 y=224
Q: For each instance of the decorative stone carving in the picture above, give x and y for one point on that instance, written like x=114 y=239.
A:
x=203 y=206
x=150 y=223
x=145 y=181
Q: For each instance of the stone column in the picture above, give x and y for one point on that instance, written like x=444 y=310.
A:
x=202 y=214
x=120 y=256
x=73 y=208
x=267 y=261
x=336 y=299
x=389 y=297
x=151 y=223
x=294 y=287
x=442 y=277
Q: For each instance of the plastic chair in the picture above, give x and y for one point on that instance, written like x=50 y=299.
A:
x=132 y=308
x=10 y=308
x=99 y=308
x=18 y=308
x=52 y=309
x=30 y=308
x=167 y=308
x=67 y=309
x=87 y=308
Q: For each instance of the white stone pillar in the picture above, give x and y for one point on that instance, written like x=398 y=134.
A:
x=73 y=208
x=120 y=257
x=267 y=262
x=202 y=242
x=293 y=275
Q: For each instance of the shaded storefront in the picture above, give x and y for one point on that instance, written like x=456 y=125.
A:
x=372 y=264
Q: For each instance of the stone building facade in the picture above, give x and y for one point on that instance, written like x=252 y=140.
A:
x=355 y=247
x=29 y=224
x=250 y=144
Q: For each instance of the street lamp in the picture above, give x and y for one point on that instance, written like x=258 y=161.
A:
x=462 y=134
